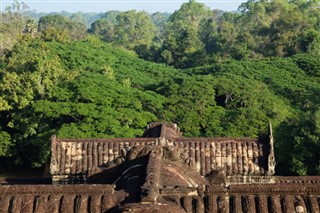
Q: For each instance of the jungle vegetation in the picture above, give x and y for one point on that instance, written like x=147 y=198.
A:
x=213 y=73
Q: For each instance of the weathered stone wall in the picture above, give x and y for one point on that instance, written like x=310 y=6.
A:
x=57 y=198
x=273 y=198
x=297 y=179
x=102 y=198
x=264 y=198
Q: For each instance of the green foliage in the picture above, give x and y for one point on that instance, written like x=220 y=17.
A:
x=159 y=19
x=54 y=34
x=283 y=91
x=104 y=28
x=308 y=63
x=12 y=24
x=86 y=18
x=108 y=71
x=31 y=26
x=301 y=136
x=5 y=143
x=49 y=88
x=182 y=44
x=191 y=103
x=111 y=16
x=54 y=21
x=31 y=73
x=126 y=82
x=57 y=24
x=280 y=28
x=129 y=29
x=134 y=29
x=92 y=89
x=194 y=35
x=78 y=17
x=57 y=82
x=250 y=105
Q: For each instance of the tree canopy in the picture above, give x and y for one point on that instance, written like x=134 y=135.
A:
x=220 y=74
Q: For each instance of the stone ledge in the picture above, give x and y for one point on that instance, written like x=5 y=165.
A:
x=58 y=189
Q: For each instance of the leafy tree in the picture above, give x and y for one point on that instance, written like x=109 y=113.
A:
x=53 y=34
x=159 y=19
x=280 y=28
x=53 y=21
x=78 y=17
x=49 y=88
x=5 y=143
x=182 y=44
x=284 y=91
x=31 y=74
x=105 y=26
x=111 y=16
x=191 y=104
x=310 y=64
x=301 y=135
x=31 y=27
x=12 y=24
x=134 y=28
x=53 y=84
x=56 y=24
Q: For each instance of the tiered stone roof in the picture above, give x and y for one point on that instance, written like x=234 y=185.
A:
x=233 y=156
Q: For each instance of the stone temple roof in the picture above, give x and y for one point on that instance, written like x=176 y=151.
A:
x=233 y=156
x=164 y=172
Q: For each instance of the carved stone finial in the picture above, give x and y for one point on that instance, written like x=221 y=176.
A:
x=270 y=129
x=271 y=157
x=162 y=130
x=53 y=138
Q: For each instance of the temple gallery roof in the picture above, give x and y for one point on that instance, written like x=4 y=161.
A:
x=233 y=156
x=164 y=172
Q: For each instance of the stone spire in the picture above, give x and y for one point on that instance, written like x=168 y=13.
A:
x=271 y=157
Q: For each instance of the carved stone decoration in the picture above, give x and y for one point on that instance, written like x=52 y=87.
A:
x=217 y=177
x=150 y=207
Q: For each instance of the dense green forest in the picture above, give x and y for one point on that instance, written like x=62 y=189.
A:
x=213 y=73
